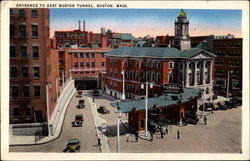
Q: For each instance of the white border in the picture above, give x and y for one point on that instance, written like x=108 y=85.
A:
x=4 y=46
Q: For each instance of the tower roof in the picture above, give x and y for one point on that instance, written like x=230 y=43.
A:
x=182 y=13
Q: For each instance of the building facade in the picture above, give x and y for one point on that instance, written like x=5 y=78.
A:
x=228 y=65
x=32 y=82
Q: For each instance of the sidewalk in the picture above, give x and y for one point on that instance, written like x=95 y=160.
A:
x=98 y=124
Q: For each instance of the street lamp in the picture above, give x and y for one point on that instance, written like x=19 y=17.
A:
x=119 y=115
x=146 y=105
x=123 y=85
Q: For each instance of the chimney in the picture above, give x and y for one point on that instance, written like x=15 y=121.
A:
x=83 y=22
x=79 y=25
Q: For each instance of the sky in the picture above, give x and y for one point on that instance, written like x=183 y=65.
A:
x=142 y=22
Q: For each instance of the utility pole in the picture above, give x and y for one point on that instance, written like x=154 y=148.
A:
x=227 y=84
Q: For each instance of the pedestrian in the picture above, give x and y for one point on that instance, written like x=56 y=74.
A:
x=178 y=134
x=151 y=136
x=166 y=130
x=99 y=142
x=136 y=136
x=212 y=111
x=93 y=99
x=161 y=134
x=127 y=136
x=205 y=120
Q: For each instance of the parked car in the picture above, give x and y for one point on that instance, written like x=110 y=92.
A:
x=73 y=145
x=207 y=107
x=231 y=104
x=103 y=110
x=78 y=121
x=96 y=93
x=237 y=100
x=79 y=94
x=215 y=107
x=81 y=103
x=192 y=119
x=222 y=106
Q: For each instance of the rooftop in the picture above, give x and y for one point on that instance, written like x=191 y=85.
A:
x=128 y=106
x=145 y=52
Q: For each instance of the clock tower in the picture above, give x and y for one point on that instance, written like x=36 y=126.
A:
x=181 y=38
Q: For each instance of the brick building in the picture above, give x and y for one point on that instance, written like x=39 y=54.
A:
x=228 y=64
x=32 y=67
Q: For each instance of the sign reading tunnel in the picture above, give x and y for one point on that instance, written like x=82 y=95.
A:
x=172 y=88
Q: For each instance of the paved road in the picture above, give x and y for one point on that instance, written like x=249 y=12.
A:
x=86 y=134
x=222 y=134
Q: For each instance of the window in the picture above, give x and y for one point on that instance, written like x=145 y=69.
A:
x=25 y=72
x=171 y=65
x=27 y=111
x=35 y=50
x=12 y=30
x=22 y=30
x=136 y=75
x=102 y=55
x=87 y=64
x=126 y=63
x=23 y=50
x=11 y=12
x=103 y=64
x=158 y=65
x=93 y=64
x=235 y=83
x=75 y=55
x=13 y=72
x=12 y=51
x=36 y=72
x=16 y=112
x=14 y=91
x=37 y=90
x=34 y=30
x=26 y=91
x=87 y=55
x=76 y=64
x=92 y=55
x=81 y=55
x=21 y=12
x=115 y=62
x=81 y=64
x=33 y=12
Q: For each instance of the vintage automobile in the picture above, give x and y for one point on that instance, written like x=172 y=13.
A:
x=78 y=121
x=192 y=119
x=96 y=93
x=81 y=104
x=215 y=107
x=73 y=145
x=237 y=100
x=222 y=106
x=207 y=107
x=231 y=104
x=103 y=110
x=79 y=94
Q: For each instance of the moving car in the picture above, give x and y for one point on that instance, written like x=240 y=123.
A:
x=96 y=93
x=73 y=145
x=103 y=110
x=215 y=107
x=79 y=94
x=81 y=103
x=78 y=121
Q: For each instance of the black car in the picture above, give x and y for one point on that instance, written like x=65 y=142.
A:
x=192 y=119
x=222 y=106
x=96 y=93
x=78 y=120
x=237 y=100
x=103 y=110
x=81 y=104
x=231 y=104
x=207 y=107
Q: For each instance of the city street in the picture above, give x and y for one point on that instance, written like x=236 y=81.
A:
x=86 y=134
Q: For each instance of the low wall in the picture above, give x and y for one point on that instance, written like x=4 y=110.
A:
x=62 y=103
x=26 y=129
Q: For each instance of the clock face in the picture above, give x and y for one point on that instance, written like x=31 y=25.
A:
x=184 y=27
